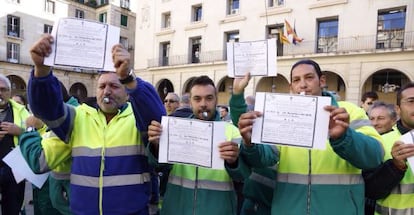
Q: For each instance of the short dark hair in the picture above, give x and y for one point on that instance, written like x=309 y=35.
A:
x=203 y=80
x=225 y=108
x=407 y=86
x=308 y=62
x=370 y=94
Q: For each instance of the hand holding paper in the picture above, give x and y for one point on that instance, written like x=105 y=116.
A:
x=403 y=150
x=284 y=114
x=256 y=57
x=39 y=51
x=338 y=121
x=121 y=59
x=240 y=83
x=246 y=124
x=80 y=43
x=192 y=142
x=229 y=151
x=154 y=132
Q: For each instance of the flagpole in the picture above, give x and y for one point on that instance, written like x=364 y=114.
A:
x=267 y=29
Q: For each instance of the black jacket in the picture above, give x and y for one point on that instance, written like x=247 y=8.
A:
x=380 y=181
x=182 y=112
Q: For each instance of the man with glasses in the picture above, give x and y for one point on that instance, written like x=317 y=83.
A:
x=12 y=118
x=392 y=182
x=171 y=102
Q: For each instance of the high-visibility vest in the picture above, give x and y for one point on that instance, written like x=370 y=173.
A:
x=401 y=198
x=201 y=190
x=109 y=172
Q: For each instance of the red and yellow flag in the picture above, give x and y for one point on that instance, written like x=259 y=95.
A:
x=292 y=31
x=282 y=38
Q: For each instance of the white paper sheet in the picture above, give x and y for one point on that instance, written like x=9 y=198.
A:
x=21 y=169
x=191 y=141
x=83 y=44
x=18 y=177
x=408 y=138
x=256 y=57
x=294 y=120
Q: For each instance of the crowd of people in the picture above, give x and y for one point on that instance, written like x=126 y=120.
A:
x=103 y=155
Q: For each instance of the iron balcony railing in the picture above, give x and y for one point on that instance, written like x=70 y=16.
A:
x=348 y=45
x=13 y=33
x=204 y=57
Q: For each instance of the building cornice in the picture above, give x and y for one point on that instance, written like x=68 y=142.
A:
x=165 y=32
x=232 y=18
x=327 y=3
x=276 y=11
x=195 y=25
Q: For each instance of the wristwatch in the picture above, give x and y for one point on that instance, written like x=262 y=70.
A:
x=131 y=76
x=30 y=129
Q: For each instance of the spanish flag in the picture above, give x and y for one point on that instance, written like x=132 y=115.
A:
x=292 y=31
x=282 y=38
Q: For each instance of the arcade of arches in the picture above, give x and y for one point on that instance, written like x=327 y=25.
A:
x=19 y=86
x=384 y=82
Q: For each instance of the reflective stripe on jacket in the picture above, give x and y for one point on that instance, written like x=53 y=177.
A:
x=109 y=164
x=20 y=115
x=401 y=198
x=195 y=190
x=315 y=182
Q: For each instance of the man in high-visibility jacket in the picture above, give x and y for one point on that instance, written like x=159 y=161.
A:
x=110 y=170
x=383 y=117
x=258 y=183
x=195 y=190
x=12 y=124
x=37 y=145
x=312 y=181
x=392 y=183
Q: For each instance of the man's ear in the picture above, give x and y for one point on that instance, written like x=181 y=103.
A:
x=322 y=81
x=398 y=110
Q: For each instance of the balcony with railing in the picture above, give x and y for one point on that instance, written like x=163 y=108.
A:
x=90 y=3
x=204 y=57
x=339 y=46
x=124 y=4
x=15 y=33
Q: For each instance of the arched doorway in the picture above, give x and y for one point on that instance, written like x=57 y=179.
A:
x=385 y=83
x=335 y=84
x=164 y=87
x=79 y=91
x=18 y=86
x=278 y=84
x=187 y=85
x=225 y=88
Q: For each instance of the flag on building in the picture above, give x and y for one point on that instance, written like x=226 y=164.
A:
x=282 y=38
x=292 y=31
x=289 y=29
